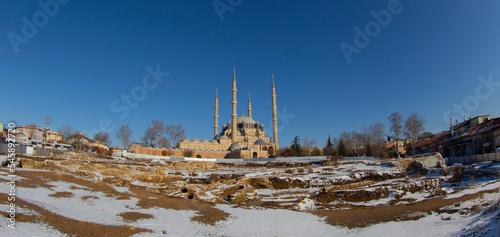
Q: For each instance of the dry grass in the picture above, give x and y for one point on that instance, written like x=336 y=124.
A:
x=112 y=172
x=158 y=179
x=349 y=186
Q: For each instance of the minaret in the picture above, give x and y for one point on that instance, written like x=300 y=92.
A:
x=216 y=116
x=249 y=106
x=275 y=118
x=234 y=115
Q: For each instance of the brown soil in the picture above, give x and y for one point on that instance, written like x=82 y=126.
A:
x=134 y=216
x=69 y=226
x=62 y=195
x=352 y=195
x=365 y=216
x=207 y=213
x=40 y=178
x=72 y=187
x=89 y=197
x=161 y=182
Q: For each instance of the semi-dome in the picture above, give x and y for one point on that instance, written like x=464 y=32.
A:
x=260 y=142
x=224 y=137
x=234 y=146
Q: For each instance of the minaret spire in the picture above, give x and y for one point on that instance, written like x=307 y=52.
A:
x=216 y=116
x=234 y=115
x=249 y=106
x=275 y=118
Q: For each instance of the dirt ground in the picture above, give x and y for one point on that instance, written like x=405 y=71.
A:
x=206 y=212
x=362 y=217
x=67 y=225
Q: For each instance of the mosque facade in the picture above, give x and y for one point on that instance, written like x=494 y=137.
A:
x=241 y=137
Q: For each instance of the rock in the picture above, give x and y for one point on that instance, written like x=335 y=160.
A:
x=261 y=183
x=416 y=167
x=333 y=161
x=430 y=161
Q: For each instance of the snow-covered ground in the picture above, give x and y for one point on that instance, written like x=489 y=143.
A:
x=477 y=216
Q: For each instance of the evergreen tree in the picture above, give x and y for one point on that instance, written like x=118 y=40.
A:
x=329 y=150
x=296 y=146
x=342 y=148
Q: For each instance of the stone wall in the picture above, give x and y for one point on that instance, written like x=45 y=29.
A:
x=137 y=149
x=203 y=154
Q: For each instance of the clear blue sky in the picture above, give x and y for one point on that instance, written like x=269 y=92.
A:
x=426 y=59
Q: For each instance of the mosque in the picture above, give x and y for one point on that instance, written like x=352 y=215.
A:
x=242 y=137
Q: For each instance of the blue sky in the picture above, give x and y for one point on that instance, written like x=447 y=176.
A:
x=426 y=59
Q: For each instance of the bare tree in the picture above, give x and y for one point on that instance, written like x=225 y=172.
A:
x=414 y=126
x=124 y=134
x=287 y=152
x=316 y=151
x=357 y=140
x=154 y=133
x=147 y=138
x=374 y=139
x=103 y=137
x=30 y=130
x=309 y=142
x=374 y=133
x=396 y=121
x=47 y=120
x=176 y=133
x=308 y=145
x=66 y=131
x=164 y=142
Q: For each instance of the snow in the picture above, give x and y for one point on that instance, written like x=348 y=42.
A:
x=92 y=210
x=306 y=204
x=27 y=229
x=488 y=186
x=242 y=222
x=480 y=215
x=3 y=159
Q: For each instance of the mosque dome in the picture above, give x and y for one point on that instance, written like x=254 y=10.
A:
x=224 y=137
x=204 y=141
x=260 y=142
x=234 y=146
x=185 y=140
x=195 y=140
x=245 y=120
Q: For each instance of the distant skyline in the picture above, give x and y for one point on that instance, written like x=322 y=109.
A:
x=338 y=65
